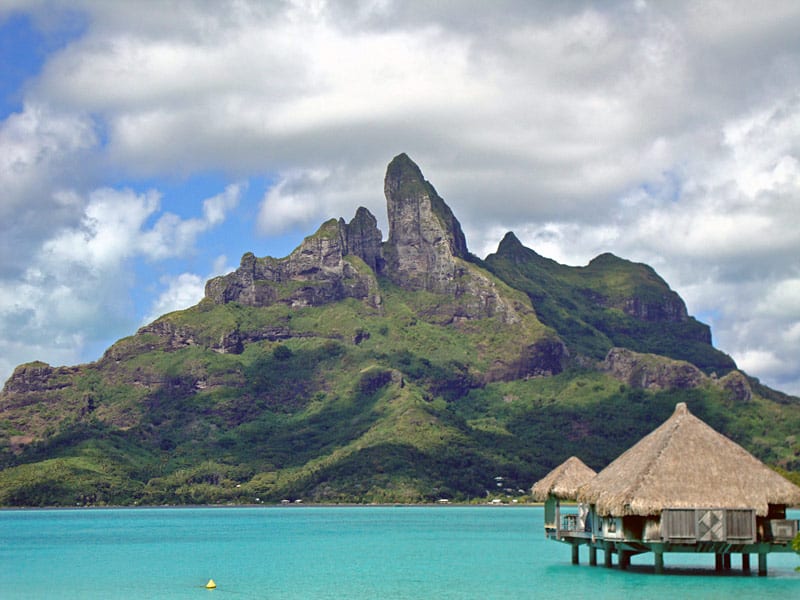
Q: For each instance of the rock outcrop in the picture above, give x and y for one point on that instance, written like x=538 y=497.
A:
x=32 y=384
x=426 y=251
x=654 y=372
x=651 y=371
x=337 y=262
x=38 y=376
x=737 y=386
x=362 y=238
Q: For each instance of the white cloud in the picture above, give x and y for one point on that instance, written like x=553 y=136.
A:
x=36 y=137
x=114 y=228
x=173 y=236
x=782 y=301
x=762 y=361
x=108 y=233
x=41 y=150
x=75 y=289
x=305 y=198
x=215 y=209
x=184 y=290
x=290 y=203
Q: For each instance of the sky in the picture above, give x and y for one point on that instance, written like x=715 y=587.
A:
x=145 y=146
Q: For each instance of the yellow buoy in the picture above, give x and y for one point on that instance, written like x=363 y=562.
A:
x=211 y=585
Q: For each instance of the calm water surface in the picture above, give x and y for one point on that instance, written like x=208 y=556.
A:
x=317 y=553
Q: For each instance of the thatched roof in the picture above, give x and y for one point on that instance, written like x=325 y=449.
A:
x=684 y=463
x=563 y=481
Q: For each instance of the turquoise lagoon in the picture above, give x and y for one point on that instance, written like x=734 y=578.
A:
x=314 y=553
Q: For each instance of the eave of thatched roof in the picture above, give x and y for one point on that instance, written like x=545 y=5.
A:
x=684 y=463
x=563 y=481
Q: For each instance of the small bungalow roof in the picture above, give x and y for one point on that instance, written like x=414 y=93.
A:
x=563 y=481
x=684 y=463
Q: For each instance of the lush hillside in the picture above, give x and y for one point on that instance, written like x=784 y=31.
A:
x=610 y=302
x=363 y=370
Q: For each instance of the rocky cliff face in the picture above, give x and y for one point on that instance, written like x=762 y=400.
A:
x=427 y=251
x=650 y=371
x=654 y=372
x=337 y=262
x=425 y=238
x=38 y=377
x=736 y=386
x=362 y=238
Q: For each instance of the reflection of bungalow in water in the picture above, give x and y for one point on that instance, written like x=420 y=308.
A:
x=682 y=488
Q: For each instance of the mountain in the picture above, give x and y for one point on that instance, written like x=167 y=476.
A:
x=362 y=370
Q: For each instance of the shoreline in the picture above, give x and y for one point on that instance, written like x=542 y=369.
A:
x=271 y=505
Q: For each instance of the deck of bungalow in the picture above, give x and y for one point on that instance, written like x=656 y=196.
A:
x=721 y=532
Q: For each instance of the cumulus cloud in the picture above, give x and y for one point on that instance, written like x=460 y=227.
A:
x=114 y=228
x=305 y=198
x=75 y=290
x=41 y=149
x=184 y=290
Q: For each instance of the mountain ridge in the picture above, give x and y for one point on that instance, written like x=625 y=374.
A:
x=361 y=369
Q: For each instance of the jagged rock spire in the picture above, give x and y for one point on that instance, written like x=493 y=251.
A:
x=363 y=238
x=424 y=235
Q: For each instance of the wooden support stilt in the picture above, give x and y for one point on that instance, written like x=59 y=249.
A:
x=624 y=559
x=659 y=562
x=607 y=556
x=558 y=520
x=746 y=563
x=593 y=556
x=726 y=561
x=762 y=564
x=718 y=565
x=575 y=554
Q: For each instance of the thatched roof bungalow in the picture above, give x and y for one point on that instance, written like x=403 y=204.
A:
x=684 y=463
x=682 y=488
x=563 y=481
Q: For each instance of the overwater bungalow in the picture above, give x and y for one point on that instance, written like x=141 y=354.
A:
x=682 y=488
x=562 y=483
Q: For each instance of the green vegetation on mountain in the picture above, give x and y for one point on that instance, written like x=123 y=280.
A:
x=610 y=302
x=356 y=370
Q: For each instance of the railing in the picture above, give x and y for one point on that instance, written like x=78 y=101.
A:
x=571 y=523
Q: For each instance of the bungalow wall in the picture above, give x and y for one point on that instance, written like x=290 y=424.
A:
x=680 y=526
x=611 y=528
x=686 y=526
x=551 y=512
